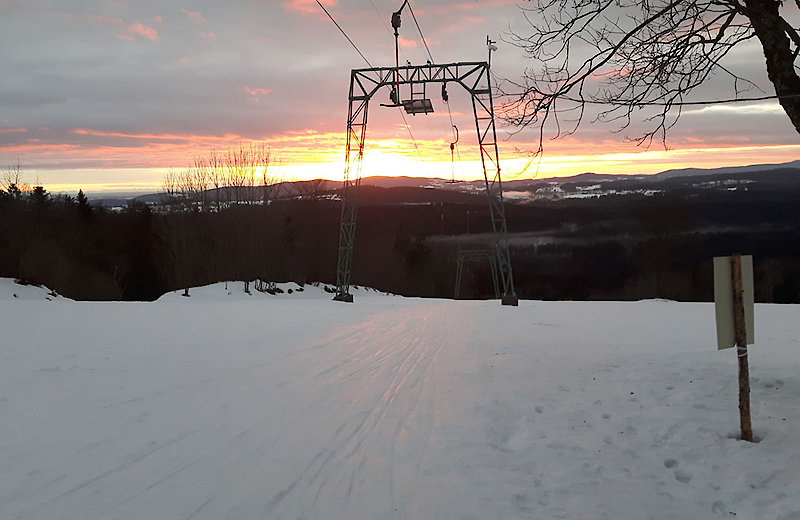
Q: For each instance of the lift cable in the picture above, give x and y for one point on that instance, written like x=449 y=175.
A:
x=446 y=101
x=425 y=43
x=414 y=141
x=382 y=18
x=400 y=109
x=344 y=33
x=444 y=91
x=430 y=56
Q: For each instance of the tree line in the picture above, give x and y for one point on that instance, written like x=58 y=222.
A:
x=219 y=219
x=611 y=248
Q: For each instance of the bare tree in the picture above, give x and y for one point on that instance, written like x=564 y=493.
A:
x=170 y=187
x=240 y=165
x=12 y=180
x=270 y=182
x=188 y=188
x=201 y=171
x=629 y=55
x=216 y=177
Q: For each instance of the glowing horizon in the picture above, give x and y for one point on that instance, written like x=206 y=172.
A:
x=398 y=157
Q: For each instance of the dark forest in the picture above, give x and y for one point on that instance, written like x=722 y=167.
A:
x=612 y=247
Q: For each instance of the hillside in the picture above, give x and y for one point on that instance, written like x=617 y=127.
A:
x=229 y=405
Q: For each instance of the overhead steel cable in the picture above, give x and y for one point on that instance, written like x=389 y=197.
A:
x=427 y=49
x=422 y=37
x=400 y=109
x=344 y=33
x=413 y=141
x=430 y=56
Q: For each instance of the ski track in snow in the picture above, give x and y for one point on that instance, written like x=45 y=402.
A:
x=376 y=399
x=391 y=409
x=361 y=414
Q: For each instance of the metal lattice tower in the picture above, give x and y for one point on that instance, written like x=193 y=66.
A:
x=364 y=84
x=477 y=255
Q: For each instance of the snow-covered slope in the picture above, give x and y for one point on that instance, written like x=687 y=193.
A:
x=13 y=290
x=295 y=406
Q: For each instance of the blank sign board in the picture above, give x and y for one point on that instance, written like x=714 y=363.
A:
x=723 y=300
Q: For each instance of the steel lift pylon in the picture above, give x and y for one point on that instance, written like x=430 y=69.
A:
x=475 y=255
x=364 y=84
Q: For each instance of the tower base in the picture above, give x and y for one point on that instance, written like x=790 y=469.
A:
x=345 y=297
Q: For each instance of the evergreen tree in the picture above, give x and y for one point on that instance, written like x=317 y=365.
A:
x=84 y=208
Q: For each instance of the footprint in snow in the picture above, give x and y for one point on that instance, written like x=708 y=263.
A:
x=670 y=463
x=777 y=383
x=682 y=476
x=719 y=507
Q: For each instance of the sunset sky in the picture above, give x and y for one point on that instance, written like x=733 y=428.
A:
x=107 y=95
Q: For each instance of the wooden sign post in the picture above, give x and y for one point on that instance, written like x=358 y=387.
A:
x=733 y=288
x=740 y=332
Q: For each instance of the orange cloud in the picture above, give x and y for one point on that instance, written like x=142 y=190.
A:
x=311 y=153
x=167 y=137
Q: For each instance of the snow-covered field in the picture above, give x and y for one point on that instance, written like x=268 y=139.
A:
x=229 y=406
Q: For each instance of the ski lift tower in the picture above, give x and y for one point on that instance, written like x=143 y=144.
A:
x=364 y=84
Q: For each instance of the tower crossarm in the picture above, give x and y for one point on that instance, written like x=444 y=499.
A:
x=472 y=75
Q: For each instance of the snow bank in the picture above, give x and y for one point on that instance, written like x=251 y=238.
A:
x=391 y=408
x=237 y=290
x=17 y=290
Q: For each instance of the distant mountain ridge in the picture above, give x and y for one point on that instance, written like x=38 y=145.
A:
x=584 y=182
x=394 y=182
x=685 y=172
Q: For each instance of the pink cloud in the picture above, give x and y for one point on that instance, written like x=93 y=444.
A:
x=134 y=30
x=209 y=35
x=404 y=42
x=197 y=16
x=140 y=30
x=308 y=6
x=462 y=23
x=256 y=92
x=104 y=19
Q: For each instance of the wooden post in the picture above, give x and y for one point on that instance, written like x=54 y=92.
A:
x=740 y=333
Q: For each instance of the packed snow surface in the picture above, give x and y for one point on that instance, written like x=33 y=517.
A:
x=225 y=405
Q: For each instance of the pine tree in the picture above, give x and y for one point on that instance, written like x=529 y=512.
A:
x=84 y=208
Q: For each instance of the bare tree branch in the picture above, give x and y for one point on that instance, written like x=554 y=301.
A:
x=631 y=55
